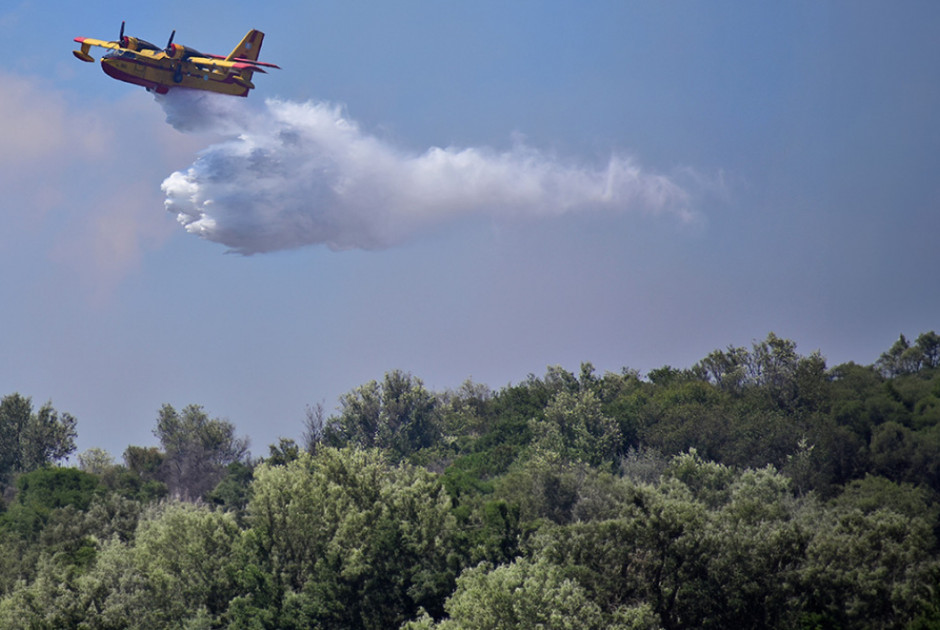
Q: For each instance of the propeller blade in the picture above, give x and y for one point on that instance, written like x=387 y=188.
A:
x=121 y=36
x=170 y=43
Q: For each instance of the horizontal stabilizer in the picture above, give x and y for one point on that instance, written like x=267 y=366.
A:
x=243 y=60
x=249 y=66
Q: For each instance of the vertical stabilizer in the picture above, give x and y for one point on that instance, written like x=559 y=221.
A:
x=249 y=47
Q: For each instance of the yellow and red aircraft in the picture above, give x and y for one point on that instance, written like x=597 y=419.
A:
x=158 y=69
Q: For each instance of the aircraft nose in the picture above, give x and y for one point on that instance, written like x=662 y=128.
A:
x=110 y=68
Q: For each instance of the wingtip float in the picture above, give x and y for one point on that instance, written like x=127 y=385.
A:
x=136 y=61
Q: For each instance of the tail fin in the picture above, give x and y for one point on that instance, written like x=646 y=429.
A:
x=248 y=48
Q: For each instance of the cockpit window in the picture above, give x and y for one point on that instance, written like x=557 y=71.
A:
x=119 y=54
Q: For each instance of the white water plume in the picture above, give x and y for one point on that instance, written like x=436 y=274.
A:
x=293 y=174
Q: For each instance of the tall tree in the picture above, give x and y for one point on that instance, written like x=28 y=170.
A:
x=902 y=357
x=31 y=440
x=399 y=414
x=726 y=369
x=929 y=345
x=197 y=450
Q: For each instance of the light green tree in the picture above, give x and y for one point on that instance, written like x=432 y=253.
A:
x=575 y=427
x=178 y=569
x=95 y=461
x=344 y=539
x=175 y=572
x=517 y=596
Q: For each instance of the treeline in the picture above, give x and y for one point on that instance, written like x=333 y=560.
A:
x=757 y=489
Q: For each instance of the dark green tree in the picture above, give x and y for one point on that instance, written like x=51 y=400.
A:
x=901 y=358
x=928 y=344
x=40 y=492
x=31 y=440
x=727 y=369
x=398 y=415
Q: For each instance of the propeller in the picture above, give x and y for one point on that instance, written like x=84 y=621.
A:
x=121 y=39
x=174 y=50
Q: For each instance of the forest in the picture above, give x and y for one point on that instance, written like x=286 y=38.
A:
x=758 y=488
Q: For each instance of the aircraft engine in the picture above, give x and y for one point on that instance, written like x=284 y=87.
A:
x=175 y=51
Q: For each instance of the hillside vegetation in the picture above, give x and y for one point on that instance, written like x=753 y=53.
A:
x=759 y=488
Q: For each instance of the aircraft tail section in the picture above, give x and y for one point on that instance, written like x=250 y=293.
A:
x=248 y=48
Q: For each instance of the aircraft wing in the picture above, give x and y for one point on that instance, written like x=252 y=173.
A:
x=207 y=62
x=90 y=41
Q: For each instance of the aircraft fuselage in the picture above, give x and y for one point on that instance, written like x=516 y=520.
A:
x=159 y=75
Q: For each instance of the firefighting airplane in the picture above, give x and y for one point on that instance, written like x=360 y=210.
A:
x=158 y=69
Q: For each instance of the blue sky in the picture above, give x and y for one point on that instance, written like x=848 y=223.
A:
x=803 y=137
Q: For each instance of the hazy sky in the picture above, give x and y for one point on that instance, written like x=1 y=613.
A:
x=459 y=190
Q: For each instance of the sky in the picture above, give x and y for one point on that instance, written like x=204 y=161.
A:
x=460 y=190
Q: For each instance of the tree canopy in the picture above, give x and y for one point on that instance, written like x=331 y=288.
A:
x=758 y=488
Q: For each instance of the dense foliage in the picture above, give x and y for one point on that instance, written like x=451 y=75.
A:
x=757 y=489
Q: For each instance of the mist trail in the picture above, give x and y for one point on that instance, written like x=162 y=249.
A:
x=291 y=174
